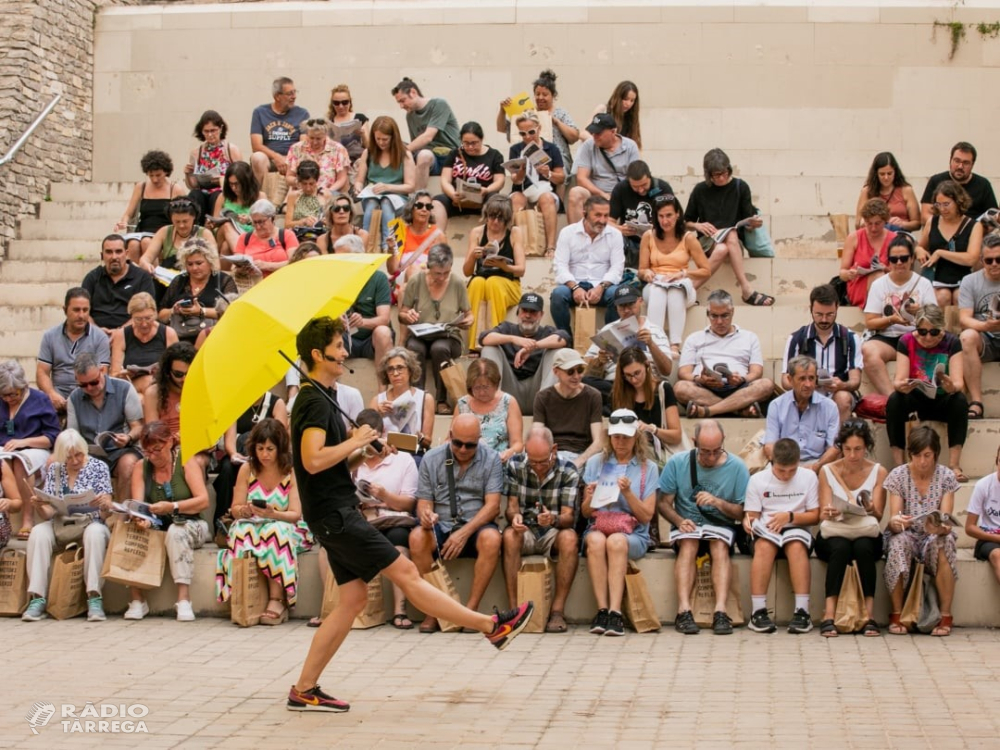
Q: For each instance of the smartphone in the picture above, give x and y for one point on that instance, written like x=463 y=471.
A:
x=187 y=302
x=259 y=503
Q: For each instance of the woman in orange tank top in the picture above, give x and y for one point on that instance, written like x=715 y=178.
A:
x=886 y=181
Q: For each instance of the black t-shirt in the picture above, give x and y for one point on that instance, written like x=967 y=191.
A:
x=325 y=491
x=654 y=415
x=477 y=169
x=628 y=205
x=722 y=206
x=534 y=359
x=109 y=300
x=979 y=189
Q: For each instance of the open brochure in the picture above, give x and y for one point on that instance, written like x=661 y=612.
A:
x=422 y=330
x=239 y=259
x=618 y=336
x=137 y=509
x=607 y=490
x=929 y=387
x=79 y=503
x=533 y=154
x=491 y=250
x=639 y=227
x=209 y=178
x=875 y=267
x=135 y=371
x=786 y=535
x=468 y=192
x=995 y=307
x=934 y=518
x=845 y=508
x=720 y=236
x=165 y=275
x=707 y=531
x=364 y=491
x=103 y=444
x=990 y=218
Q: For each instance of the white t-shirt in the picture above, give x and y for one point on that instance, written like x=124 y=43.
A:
x=737 y=350
x=768 y=495
x=884 y=292
x=985 y=503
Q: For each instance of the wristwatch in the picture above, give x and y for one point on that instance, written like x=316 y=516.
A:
x=177 y=508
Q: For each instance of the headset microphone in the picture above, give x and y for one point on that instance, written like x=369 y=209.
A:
x=341 y=363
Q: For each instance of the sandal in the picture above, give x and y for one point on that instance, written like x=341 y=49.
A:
x=959 y=474
x=430 y=625
x=550 y=252
x=401 y=622
x=752 y=412
x=944 y=626
x=759 y=299
x=895 y=626
x=556 y=623
x=827 y=629
x=315 y=622
x=697 y=411
x=24 y=533
x=270 y=617
x=870 y=630
x=976 y=410
x=442 y=409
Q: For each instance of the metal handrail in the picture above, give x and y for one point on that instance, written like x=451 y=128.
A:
x=27 y=133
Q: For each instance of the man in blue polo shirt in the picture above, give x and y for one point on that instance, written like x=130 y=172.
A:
x=803 y=415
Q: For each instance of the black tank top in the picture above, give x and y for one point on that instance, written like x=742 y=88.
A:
x=152 y=213
x=946 y=271
x=144 y=355
x=506 y=251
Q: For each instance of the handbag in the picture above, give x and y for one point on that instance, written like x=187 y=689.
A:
x=610 y=522
x=850 y=526
x=393 y=522
x=68 y=529
x=872 y=406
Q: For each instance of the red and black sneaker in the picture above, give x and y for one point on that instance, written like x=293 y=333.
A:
x=315 y=700
x=508 y=624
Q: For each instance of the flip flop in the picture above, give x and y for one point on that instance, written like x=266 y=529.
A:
x=759 y=299
x=442 y=410
x=697 y=411
x=397 y=622
x=315 y=622
x=944 y=626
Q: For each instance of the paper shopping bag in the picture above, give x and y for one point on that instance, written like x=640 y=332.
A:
x=374 y=612
x=13 y=582
x=438 y=578
x=374 y=243
x=703 y=605
x=753 y=453
x=532 y=227
x=534 y=584
x=637 y=605
x=136 y=556
x=851 y=614
x=584 y=326
x=331 y=596
x=67 y=590
x=453 y=377
x=248 y=599
x=910 y=615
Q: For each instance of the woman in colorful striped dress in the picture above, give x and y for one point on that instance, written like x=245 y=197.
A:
x=268 y=520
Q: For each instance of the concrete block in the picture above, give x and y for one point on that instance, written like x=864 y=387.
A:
x=53 y=250
x=197 y=18
x=551 y=12
x=344 y=14
x=57 y=229
x=276 y=18
x=112 y=19
x=25 y=272
x=107 y=92
x=32 y=295
x=751 y=14
x=842 y=14
x=38 y=318
x=641 y=45
x=112 y=51
x=626 y=12
x=747 y=43
x=703 y=126
x=704 y=14
x=70 y=210
x=91 y=191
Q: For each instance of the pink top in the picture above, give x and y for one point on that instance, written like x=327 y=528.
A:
x=897 y=206
x=269 y=251
x=332 y=159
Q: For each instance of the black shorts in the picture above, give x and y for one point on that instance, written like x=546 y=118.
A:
x=354 y=547
x=887 y=340
x=984 y=549
x=398 y=536
x=469 y=550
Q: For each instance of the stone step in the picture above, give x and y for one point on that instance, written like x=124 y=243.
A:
x=33 y=295
x=106 y=210
x=91 y=230
x=71 y=272
x=35 y=318
x=91 y=191
x=54 y=250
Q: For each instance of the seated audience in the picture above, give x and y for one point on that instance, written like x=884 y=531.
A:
x=557 y=125
x=478 y=166
x=436 y=296
x=306 y=205
x=807 y=417
x=978 y=188
x=718 y=203
x=702 y=490
x=432 y=126
x=892 y=303
x=183 y=226
x=886 y=182
x=331 y=158
x=267 y=246
x=618 y=532
x=571 y=410
x=339 y=223
x=176 y=495
x=918 y=488
x=499 y=415
x=266 y=520
x=72 y=471
x=137 y=346
x=458 y=500
x=205 y=171
x=950 y=243
x=494 y=266
x=274 y=128
x=61 y=345
x=369 y=334
x=983 y=520
x=113 y=284
x=196 y=298
x=665 y=257
x=721 y=368
x=390 y=502
x=524 y=351
x=232 y=206
x=146 y=212
x=978 y=298
x=404 y=407
x=623 y=106
x=844 y=538
x=341 y=112
x=601 y=163
x=782 y=502
x=589 y=263
x=537 y=185
x=541 y=491
x=385 y=176
x=865 y=257
x=637 y=387
x=836 y=349
x=633 y=201
x=420 y=234
x=162 y=400
x=101 y=405
x=931 y=356
x=31 y=427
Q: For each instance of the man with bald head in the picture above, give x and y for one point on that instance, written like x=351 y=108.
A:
x=541 y=491
x=458 y=500
x=701 y=495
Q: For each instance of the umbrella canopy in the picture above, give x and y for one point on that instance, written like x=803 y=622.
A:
x=240 y=359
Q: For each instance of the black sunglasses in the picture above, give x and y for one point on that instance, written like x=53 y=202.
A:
x=456 y=444
x=179 y=374
x=425 y=206
x=340 y=209
x=991 y=261
x=928 y=331
x=89 y=383
x=627 y=419
x=898 y=258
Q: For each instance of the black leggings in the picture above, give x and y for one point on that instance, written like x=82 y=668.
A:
x=838 y=553
x=952 y=408
x=437 y=351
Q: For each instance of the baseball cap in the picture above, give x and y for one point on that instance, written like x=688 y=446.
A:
x=567 y=359
x=532 y=301
x=623 y=422
x=625 y=295
x=600 y=123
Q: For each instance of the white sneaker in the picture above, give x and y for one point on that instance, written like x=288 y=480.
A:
x=137 y=609
x=184 y=611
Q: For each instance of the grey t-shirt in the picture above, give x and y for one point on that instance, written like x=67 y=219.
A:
x=601 y=173
x=121 y=406
x=483 y=476
x=59 y=353
x=437 y=114
x=976 y=292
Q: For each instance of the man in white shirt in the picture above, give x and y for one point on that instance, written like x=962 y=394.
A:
x=721 y=368
x=983 y=520
x=589 y=262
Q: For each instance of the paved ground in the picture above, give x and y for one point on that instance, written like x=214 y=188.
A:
x=208 y=683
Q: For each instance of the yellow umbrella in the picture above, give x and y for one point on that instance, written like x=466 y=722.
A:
x=240 y=359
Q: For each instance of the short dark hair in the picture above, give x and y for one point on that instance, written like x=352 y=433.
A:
x=546 y=78
x=825 y=294
x=318 y=333
x=307 y=170
x=273 y=430
x=371 y=418
x=210 y=117
x=594 y=200
x=921 y=438
x=638 y=170
x=405 y=86
x=113 y=237
x=965 y=146
x=152 y=161
x=904 y=240
x=785 y=453
x=661 y=202
x=73 y=293
x=472 y=127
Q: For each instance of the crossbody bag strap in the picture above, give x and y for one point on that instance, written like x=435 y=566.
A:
x=841 y=482
x=694 y=468
x=614 y=169
x=449 y=463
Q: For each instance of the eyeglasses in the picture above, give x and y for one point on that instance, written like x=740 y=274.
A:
x=457 y=444
x=495 y=217
x=153 y=448
x=528 y=133
x=470 y=144
x=396 y=368
x=853 y=424
x=260 y=222
x=928 y=331
x=340 y=208
x=634 y=375
x=991 y=261
x=898 y=258
x=627 y=419
x=143 y=319
x=340 y=102
x=711 y=453
x=178 y=374
x=89 y=383
x=665 y=198
x=717 y=175
x=293 y=92
x=421 y=206
x=944 y=204
x=548 y=460
x=578 y=370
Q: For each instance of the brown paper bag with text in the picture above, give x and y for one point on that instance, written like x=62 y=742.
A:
x=534 y=583
x=136 y=556
x=13 y=582
x=374 y=612
x=703 y=604
x=438 y=578
x=249 y=592
x=67 y=590
x=851 y=614
x=584 y=326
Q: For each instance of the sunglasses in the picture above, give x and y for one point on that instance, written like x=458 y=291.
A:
x=456 y=444
x=340 y=102
x=898 y=258
x=665 y=198
x=178 y=374
x=528 y=133
x=420 y=205
x=928 y=331
x=578 y=370
x=991 y=261
x=627 y=419
x=89 y=383
x=340 y=209
x=315 y=123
